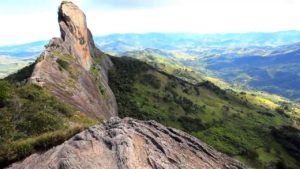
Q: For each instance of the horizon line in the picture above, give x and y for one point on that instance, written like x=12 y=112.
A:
x=170 y=33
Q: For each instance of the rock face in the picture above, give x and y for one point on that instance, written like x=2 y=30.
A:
x=74 y=32
x=130 y=144
x=73 y=69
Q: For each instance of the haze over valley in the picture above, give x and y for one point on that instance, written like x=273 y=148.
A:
x=150 y=84
x=252 y=61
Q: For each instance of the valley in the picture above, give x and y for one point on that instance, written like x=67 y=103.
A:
x=257 y=62
x=219 y=117
x=254 y=61
x=151 y=100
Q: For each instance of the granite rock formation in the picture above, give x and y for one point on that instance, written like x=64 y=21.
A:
x=73 y=69
x=130 y=144
x=74 y=31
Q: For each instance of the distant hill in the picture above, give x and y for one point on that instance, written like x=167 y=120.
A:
x=187 y=41
x=15 y=57
x=244 y=125
x=256 y=61
x=277 y=73
x=23 y=50
x=73 y=85
x=249 y=60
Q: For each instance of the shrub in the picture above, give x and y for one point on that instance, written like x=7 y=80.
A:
x=6 y=92
x=21 y=75
x=17 y=150
x=187 y=105
x=40 y=122
x=63 y=64
x=6 y=126
x=243 y=93
x=191 y=124
x=149 y=79
x=31 y=92
x=95 y=73
x=282 y=112
x=289 y=138
x=30 y=112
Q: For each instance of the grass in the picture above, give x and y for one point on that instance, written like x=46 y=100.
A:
x=63 y=64
x=21 y=148
x=96 y=76
x=169 y=65
x=67 y=62
x=236 y=123
x=31 y=119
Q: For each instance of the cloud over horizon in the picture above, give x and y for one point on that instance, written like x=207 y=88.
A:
x=132 y=4
x=31 y=20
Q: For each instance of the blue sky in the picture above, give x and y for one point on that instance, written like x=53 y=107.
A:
x=31 y=20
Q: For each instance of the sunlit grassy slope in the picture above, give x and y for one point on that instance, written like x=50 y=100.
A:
x=270 y=68
x=31 y=119
x=169 y=63
x=188 y=68
x=243 y=125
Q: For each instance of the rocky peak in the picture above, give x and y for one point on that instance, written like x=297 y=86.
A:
x=73 y=69
x=131 y=144
x=67 y=70
x=75 y=33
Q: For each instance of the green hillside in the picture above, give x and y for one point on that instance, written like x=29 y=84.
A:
x=276 y=73
x=31 y=119
x=242 y=125
x=170 y=63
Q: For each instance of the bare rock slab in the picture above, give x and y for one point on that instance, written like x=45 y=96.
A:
x=130 y=144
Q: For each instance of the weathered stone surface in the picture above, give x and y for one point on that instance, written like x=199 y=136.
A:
x=130 y=144
x=64 y=69
x=75 y=33
x=74 y=84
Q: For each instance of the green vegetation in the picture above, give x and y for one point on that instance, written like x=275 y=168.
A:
x=31 y=119
x=277 y=74
x=244 y=68
x=95 y=73
x=289 y=138
x=169 y=63
x=63 y=64
x=66 y=62
x=21 y=75
x=239 y=124
x=9 y=65
x=262 y=61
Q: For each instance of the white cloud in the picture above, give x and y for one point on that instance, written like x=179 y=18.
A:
x=198 y=16
x=28 y=27
x=201 y=16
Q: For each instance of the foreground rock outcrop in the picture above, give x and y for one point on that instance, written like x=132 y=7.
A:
x=73 y=69
x=130 y=144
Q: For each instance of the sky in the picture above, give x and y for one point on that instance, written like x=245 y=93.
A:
x=31 y=20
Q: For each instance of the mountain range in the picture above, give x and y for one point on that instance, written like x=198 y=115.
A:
x=216 y=55
x=64 y=109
